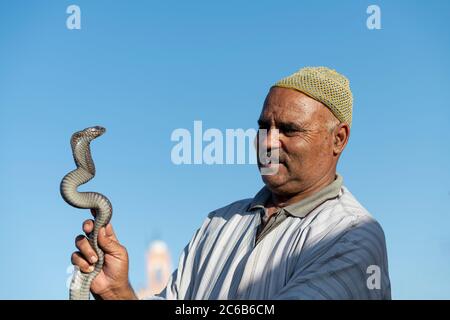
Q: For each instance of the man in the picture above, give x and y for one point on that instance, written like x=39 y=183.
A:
x=303 y=236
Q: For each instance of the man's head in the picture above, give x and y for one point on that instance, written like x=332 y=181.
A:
x=311 y=134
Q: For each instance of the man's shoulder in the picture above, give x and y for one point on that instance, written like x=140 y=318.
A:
x=360 y=222
x=346 y=205
x=345 y=214
x=342 y=226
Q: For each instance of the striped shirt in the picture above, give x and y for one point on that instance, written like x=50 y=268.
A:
x=326 y=246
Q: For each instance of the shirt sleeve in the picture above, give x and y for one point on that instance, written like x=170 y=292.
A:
x=353 y=266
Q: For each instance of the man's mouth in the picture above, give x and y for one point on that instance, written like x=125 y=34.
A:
x=268 y=163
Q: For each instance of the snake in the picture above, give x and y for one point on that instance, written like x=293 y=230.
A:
x=80 y=143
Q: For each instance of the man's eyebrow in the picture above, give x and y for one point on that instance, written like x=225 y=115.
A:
x=284 y=125
x=291 y=125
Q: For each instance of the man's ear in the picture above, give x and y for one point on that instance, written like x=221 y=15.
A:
x=341 y=135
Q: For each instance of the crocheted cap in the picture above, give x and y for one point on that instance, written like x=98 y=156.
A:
x=324 y=85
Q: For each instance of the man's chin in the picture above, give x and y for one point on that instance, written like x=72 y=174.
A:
x=274 y=181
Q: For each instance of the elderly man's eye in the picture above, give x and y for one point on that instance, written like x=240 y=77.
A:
x=288 y=130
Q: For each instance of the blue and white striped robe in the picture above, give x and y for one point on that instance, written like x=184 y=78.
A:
x=337 y=251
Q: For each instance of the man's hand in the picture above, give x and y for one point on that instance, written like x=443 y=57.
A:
x=112 y=282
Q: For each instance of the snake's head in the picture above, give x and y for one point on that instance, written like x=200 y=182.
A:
x=86 y=135
x=80 y=142
x=94 y=132
x=89 y=133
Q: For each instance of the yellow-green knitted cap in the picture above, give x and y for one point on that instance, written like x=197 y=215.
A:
x=324 y=85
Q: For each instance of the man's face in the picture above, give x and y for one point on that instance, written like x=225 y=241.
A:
x=304 y=144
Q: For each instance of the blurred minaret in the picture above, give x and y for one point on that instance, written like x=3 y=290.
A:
x=158 y=268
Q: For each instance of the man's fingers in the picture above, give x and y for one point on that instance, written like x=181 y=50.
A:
x=80 y=262
x=88 y=226
x=85 y=248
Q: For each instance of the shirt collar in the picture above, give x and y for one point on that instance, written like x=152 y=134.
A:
x=303 y=207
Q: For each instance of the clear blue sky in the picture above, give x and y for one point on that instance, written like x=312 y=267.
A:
x=145 y=68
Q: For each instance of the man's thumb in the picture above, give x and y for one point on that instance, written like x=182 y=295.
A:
x=108 y=242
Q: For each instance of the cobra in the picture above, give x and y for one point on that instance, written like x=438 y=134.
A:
x=85 y=171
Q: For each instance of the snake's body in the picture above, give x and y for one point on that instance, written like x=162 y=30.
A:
x=85 y=171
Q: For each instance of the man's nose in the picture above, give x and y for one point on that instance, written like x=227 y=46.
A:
x=269 y=138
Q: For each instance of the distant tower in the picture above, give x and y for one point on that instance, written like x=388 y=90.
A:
x=158 y=268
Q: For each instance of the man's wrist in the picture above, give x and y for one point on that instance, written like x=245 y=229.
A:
x=125 y=293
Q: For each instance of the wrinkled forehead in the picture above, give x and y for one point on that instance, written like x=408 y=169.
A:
x=288 y=105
